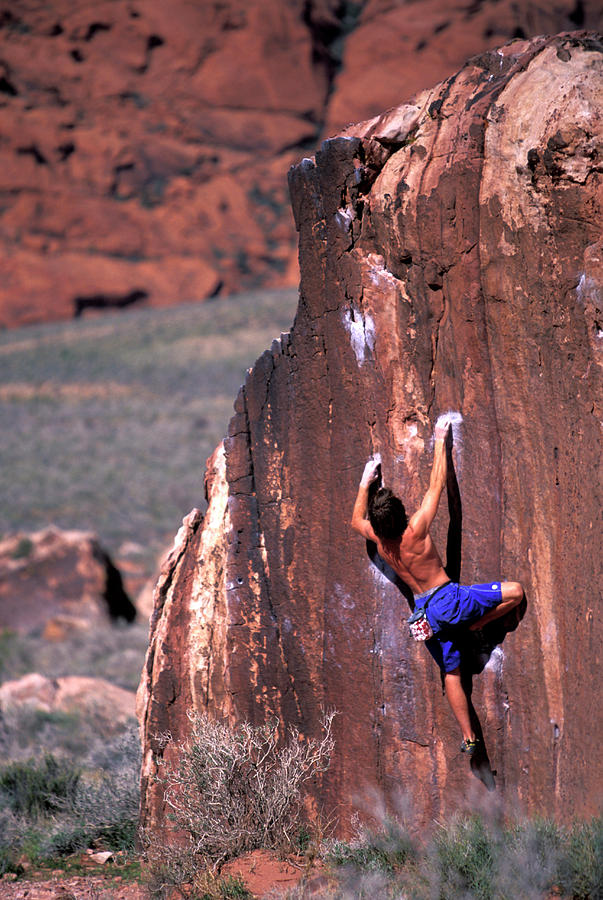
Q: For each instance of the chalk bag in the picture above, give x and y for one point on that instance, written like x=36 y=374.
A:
x=419 y=625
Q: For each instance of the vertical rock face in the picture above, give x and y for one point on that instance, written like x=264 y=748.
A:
x=451 y=260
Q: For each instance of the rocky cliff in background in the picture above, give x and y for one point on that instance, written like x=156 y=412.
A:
x=450 y=258
x=144 y=145
x=55 y=583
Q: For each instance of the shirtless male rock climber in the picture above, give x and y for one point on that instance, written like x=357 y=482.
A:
x=407 y=547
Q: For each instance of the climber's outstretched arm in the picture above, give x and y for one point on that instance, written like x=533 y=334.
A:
x=424 y=516
x=360 y=523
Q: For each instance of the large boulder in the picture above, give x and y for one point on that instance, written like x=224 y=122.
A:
x=110 y=707
x=145 y=145
x=53 y=582
x=450 y=261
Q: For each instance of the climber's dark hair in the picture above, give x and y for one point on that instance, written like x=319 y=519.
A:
x=387 y=514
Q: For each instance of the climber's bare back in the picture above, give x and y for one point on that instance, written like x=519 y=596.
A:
x=414 y=558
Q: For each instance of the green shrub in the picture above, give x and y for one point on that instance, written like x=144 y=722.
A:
x=207 y=887
x=467 y=855
x=105 y=807
x=385 y=850
x=303 y=839
x=471 y=858
x=11 y=839
x=35 y=789
x=229 y=888
x=530 y=863
x=581 y=862
x=52 y=810
x=23 y=548
x=66 y=837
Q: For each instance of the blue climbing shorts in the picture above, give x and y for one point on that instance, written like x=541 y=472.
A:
x=454 y=606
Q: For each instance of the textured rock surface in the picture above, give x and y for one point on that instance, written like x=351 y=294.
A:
x=451 y=260
x=144 y=146
x=55 y=581
x=398 y=48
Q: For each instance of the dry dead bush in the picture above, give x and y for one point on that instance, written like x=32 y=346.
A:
x=235 y=790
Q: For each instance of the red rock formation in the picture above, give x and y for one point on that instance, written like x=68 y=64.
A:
x=397 y=48
x=144 y=145
x=110 y=706
x=144 y=150
x=56 y=581
x=451 y=260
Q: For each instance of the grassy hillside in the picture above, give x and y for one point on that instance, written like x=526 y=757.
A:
x=108 y=421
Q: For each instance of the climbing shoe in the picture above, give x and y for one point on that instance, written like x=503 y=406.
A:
x=469 y=747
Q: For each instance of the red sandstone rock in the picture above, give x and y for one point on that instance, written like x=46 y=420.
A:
x=451 y=260
x=398 y=48
x=144 y=147
x=55 y=581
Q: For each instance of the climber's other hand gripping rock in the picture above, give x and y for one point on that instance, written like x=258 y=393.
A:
x=441 y=429
x=371 y=471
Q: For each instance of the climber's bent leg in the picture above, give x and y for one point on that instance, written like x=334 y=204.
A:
x=459 y=703
x=512 y=595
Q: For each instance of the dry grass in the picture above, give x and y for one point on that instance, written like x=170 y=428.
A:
x=107 y=422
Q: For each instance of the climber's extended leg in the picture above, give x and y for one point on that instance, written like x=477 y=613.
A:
x=512 y=595
x=459 y=703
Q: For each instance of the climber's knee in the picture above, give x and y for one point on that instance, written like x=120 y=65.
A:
x=512 y=593
x=453 y=673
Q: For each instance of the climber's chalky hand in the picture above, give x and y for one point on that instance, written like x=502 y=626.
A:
x=371 y=471
x=441 y=429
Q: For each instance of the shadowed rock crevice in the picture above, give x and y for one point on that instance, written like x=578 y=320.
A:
x=329 y=26
x=118 y=603
x=107 y=301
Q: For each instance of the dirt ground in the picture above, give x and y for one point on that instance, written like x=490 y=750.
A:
x=86 y=887
x=263 y=873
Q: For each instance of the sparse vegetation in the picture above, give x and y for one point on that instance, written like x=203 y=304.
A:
x=54 y=808
x=33 y=789
x=385 y=850
x=108 y=422
x=211 y=887
x=107 y=425
x=233 y=790
x=114 y=652
x=471 y=858
x=229 y=888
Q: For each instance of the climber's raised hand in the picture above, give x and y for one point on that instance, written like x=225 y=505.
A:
x=442 y=428
x=371 y=471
